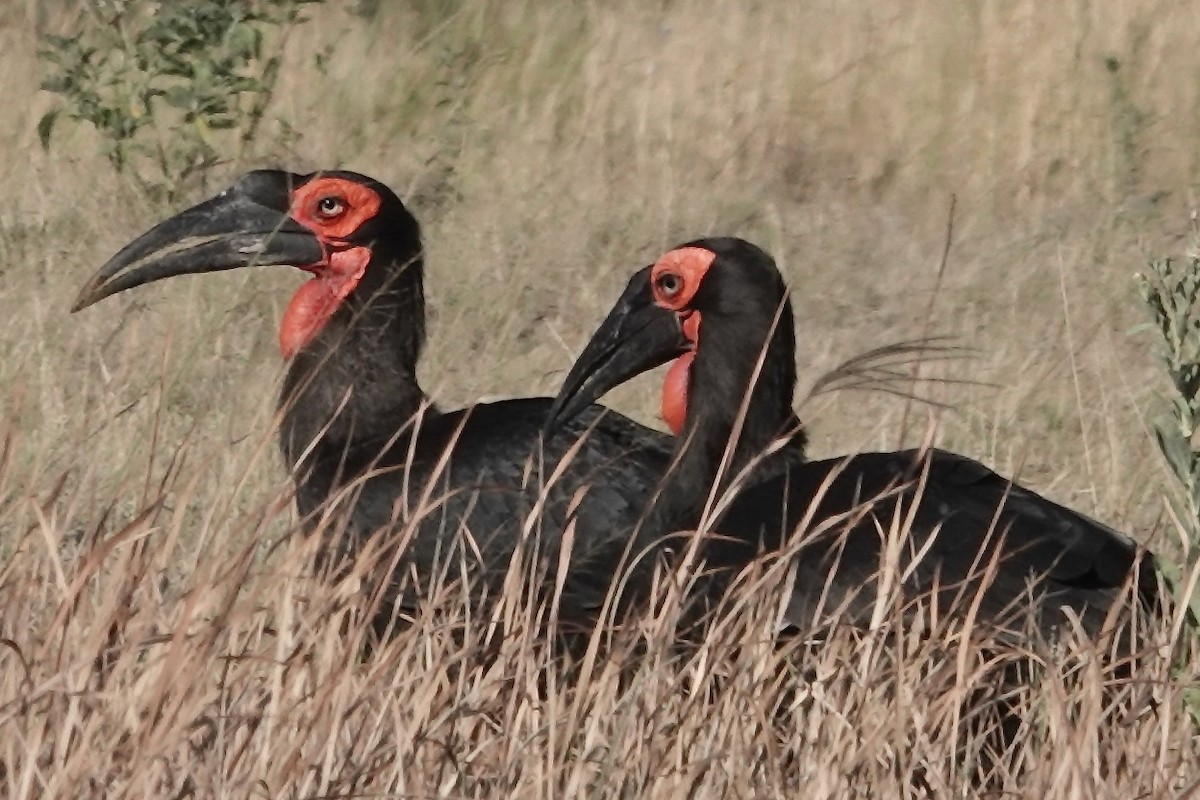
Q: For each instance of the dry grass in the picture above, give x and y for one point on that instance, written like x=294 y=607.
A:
x=159 y=631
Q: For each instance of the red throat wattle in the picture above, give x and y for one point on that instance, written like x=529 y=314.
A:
x=675 y=386
x=674 y=393
x=317 y=300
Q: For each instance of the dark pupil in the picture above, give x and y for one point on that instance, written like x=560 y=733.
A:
x=669 y=283
x=330 y=205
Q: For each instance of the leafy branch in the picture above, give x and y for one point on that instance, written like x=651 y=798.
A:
x=167 y=85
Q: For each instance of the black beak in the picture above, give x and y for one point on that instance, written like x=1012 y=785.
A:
x=229 y=231
x=636 y=336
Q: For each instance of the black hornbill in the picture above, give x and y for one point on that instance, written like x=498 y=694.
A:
x=351 y=403
x=720 y=307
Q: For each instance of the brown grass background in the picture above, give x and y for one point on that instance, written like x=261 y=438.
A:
x=549 y=149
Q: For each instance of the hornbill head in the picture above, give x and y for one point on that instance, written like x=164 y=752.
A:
x=330 y=224
x=658 y=318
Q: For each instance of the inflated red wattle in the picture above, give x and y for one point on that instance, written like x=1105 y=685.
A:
x=317 y=300
x=674 y=393
x=675 y=385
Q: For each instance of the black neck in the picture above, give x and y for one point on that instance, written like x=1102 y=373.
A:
x=354 y=386
x=724 y=369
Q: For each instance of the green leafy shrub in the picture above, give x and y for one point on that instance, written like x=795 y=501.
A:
x=170 y=85
x=1171 y=291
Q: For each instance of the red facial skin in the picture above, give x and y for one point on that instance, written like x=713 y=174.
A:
x=675 y=386
x=315 y=302
x=332 y=208
x=675 y=278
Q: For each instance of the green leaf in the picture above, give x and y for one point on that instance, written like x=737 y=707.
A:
x=180 y=97
x=244 y=41
x=1140 y=328
x=45 y=126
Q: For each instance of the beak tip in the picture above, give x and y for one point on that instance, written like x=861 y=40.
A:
x=88 y=295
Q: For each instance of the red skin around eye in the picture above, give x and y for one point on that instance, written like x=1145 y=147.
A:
x=362 y=203
x=688 y=264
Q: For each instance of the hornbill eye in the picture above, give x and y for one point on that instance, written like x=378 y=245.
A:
x=331 y=206
x=668 y=284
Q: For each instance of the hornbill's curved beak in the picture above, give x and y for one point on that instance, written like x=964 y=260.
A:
x=228 y=231
x=636 y=336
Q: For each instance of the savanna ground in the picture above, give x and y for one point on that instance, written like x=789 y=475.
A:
x=161 y=633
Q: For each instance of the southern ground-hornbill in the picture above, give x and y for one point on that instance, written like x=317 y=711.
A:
x=721 y=308
x=351 y=403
